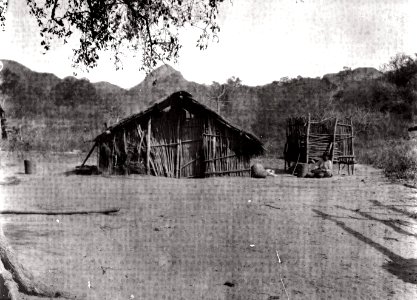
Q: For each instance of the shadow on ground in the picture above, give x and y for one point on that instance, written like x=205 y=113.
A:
x=394 y=208
x=404 y=269
x=392 y=223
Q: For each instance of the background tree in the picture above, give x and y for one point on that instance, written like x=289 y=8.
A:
x=221 y=94
x=401 y=71
x=8 y=84
x=73 y=92
x=218 y=92
x=149 y=26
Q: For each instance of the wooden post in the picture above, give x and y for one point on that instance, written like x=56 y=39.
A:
x=178 y=147
x=126 y=162
x=286 y=145
x=353 y=149
x=113 y=159
x=307 y=138
x=334 y=139
x=124 y=141
x=98 y=157
x=148 y=147
x=88 y=155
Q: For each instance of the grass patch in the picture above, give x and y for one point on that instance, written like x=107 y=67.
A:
x=397 y=157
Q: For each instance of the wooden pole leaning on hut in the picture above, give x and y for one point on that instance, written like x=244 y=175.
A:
x=98 y=157
x=88 y=155
x=148 y=147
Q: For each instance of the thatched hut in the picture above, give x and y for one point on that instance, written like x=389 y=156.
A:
x=308 y=139
x=177 y=137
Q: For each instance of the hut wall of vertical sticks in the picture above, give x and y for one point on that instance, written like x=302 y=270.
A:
x=308 y=139
x=177 y=137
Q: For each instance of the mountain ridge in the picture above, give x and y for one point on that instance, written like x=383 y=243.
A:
x=166 y=71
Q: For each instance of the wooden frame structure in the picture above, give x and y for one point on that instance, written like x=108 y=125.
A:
x=308 y=139
x=177 y=137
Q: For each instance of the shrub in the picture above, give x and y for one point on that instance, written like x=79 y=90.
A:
x=397 y=157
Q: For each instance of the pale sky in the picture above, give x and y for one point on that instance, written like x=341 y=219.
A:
x=260 y=41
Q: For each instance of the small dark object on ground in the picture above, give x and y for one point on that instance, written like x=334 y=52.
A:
x=229 y=284
x=258 y=171
x=30 y=166
x=390 y=238
x=318 y=175
x=301 y=170
x=86 y=170
x=271 y=206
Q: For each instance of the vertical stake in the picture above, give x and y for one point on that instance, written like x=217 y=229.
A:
x=307 y=137
x=334 y=139
x=126 y=162
x=178 y=147
x=148 y=147
x=353 y=149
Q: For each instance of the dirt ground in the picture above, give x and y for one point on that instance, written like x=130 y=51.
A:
x=345 y=237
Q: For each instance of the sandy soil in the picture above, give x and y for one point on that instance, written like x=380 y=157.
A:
x=346 y=237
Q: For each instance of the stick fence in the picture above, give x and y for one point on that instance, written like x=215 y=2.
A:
x=308 y=139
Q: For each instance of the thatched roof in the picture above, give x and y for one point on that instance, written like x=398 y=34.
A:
x=185 y=100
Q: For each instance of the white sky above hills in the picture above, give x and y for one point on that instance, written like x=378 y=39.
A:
x=260 y=41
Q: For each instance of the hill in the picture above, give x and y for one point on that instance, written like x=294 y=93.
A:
x=165 y=76
x=44 y=80
x=349 y=76
x=160 y=83
x=103 y=88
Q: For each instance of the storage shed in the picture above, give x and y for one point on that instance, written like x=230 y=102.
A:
x=308 y=139
x=177 y=137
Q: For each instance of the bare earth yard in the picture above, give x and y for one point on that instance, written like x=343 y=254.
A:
x=346 y=237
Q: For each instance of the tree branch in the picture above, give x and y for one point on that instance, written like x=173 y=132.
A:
x=59 y=22
x=53 y=9
x=136 y=15
x=149 y=36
